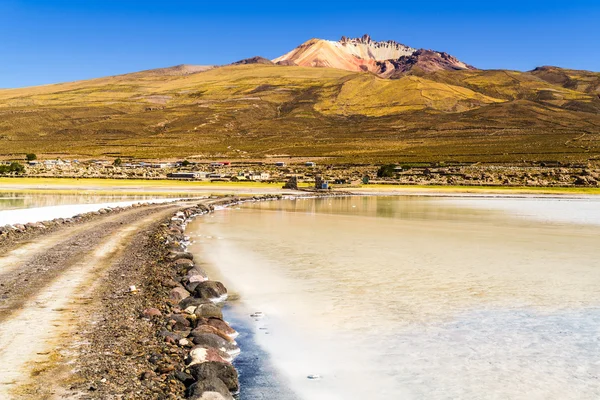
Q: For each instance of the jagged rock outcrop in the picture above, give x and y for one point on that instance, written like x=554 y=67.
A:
x=386 y=58
x=426 y=61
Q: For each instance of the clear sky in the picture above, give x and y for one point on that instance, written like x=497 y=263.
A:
x=47 y=41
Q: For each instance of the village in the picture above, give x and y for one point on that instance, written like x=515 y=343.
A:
x=320 y=175
x=210 y=171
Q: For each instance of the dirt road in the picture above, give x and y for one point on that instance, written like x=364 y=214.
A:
x=49 y=288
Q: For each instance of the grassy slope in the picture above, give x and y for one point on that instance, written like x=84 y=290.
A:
x=250 y=111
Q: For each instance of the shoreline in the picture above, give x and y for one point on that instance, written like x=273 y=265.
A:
x=196 y=304
x=181 y=307
x=250 y=234
x=192 y=188
x=192 y=345
x=176 y=322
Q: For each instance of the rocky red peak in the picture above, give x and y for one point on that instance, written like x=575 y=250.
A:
x=386 y=59
x=367 y=40
x=422 y=60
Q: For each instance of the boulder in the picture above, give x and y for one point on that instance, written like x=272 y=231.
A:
x=19 y=227
x=202 y=354
x=211 y=290
x=191 y=286
x=208 y=310
x=178 y=255
x=177 y=294
x=213 y=389
x=193 y=301
x=210 y=370
x=176 y=247
x=179 y=322
x=222 y=326
x=184 y=262
x=196 y=274
x=212 y=340
x=190 y=309
x=205 y=328
x=186 y=379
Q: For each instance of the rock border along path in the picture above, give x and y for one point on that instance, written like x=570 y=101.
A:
x=40 y=288
x=144 y=321
x=195 y=322
x=47 y=308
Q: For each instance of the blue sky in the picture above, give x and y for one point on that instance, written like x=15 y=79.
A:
x=64 y=40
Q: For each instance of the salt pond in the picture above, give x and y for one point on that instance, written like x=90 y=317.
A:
x=412 y=297
x=23 y=208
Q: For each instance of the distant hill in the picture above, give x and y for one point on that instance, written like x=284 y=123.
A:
x=435 y=108
x=177 y=70
x=582 y=81
x=254 y=60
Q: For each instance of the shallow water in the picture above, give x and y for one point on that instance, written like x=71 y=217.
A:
x=409 y=297
x=13 y=201
x=23 y=208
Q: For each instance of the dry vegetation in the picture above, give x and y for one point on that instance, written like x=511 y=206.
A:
x=249 y=111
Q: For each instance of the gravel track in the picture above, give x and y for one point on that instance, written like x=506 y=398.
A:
x=51 y=289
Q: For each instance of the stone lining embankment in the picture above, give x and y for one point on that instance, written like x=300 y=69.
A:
x=192 y=317
x=158 y=329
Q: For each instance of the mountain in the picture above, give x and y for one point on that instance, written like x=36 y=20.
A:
x=254 y=110
x=412 y=105
x=387 y=59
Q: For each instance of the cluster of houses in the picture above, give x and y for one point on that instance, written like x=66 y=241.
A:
x=179 y=170
x=202 y=175
x=222 y=170
x=322 y=176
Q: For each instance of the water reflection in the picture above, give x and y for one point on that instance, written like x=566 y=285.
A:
x=405 y=207
x=10 y=201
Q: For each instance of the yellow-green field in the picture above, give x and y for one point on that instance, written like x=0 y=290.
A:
x=132 y=186
x=189 y=188
x=376 y=188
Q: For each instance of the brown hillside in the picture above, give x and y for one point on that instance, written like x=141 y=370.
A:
x=250 y=111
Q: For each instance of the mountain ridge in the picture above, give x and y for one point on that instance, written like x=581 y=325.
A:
x=258 y=108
